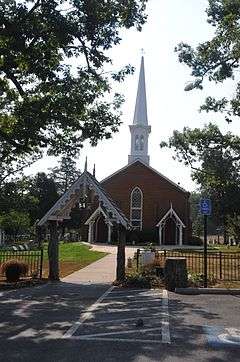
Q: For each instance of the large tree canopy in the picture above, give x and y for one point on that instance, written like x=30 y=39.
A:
x=52 y=85
x=214 y=158
x=219 y=58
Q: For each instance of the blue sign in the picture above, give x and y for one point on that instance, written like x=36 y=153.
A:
x=205 y=207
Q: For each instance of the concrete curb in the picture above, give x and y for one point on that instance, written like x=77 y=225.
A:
x=196 y=291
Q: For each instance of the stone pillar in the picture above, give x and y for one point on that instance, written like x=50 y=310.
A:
x=53 y=252
x=121 y=254
x=175 y=273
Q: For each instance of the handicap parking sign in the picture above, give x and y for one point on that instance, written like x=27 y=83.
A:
x=205 y=206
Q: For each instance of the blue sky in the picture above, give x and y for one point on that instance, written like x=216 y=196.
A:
x=169 y=106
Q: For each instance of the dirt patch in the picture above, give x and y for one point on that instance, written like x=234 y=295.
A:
x=66 y=267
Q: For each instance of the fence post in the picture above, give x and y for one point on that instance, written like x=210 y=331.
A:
x=41 y=263
x=220 y=264
x=138 y=254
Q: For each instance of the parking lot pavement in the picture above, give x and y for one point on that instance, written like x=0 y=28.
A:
x=122 y=315
x=136 y=325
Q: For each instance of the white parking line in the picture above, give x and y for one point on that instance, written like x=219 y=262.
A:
x=104 y=339
x=165 y=320
x=143 y=297
x=120 y=310
x=122 y=332
x=100 y=307
x=123 y=320
x=86 y=315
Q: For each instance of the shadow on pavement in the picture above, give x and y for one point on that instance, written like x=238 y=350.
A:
x=32 y=322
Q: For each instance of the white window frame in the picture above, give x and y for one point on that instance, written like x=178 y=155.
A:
x=136 y=208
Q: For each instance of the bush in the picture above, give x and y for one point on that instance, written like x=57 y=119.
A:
x=144 y=279
x=13 y=270
x=143 y=237
x=196 y=241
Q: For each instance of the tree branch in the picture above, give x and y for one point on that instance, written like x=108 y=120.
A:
x=15 y=81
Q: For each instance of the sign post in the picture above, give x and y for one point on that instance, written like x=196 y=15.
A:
x=206 y=210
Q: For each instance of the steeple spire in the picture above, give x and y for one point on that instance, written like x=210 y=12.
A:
x=140 y=114
x=140 y=129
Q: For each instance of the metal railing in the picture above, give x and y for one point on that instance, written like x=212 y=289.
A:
x=33 y=258
x=221 y=265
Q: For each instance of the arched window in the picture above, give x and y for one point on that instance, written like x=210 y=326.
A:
x=141 y=143
x=136 y=143
x=136 y=207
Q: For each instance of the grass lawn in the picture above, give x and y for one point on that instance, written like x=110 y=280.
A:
x=72 y=256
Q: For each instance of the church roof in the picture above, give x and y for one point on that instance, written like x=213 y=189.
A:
x=140 y=114
x=62 y=208
x=150 y=168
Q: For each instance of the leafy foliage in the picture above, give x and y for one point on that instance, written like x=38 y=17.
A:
x=65 y=174
x=217 y=59
x=52 y=85
x=14 y=222
x=215 y=161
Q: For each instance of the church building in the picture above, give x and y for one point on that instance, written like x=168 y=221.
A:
x=147 y=204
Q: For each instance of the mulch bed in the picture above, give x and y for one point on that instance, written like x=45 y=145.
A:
x=22 y=284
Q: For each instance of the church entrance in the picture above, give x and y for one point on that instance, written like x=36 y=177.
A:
x=101 y=230
x=171 y=228
x=170 y=232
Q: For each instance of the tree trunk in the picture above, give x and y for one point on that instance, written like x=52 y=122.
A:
x=53 y=252
x=175 y=273
x=121 y=254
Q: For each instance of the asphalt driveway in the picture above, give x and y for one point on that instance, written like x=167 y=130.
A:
x=63 y=322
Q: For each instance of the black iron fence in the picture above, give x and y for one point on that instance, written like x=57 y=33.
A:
x=221 y=265
x=33 y=258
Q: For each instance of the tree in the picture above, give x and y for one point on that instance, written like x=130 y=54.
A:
x=65 y=174
x=14 y=223
x=215 y=162
x=52 y=85
x=44 y=189
x=217 y=59
x=15 y=195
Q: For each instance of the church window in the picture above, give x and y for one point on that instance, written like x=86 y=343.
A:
x=136 y=143
x=136 y=208
x=141 y=143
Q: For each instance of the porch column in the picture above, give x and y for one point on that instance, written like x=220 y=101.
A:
x=180 y=234
x=90 y=232
x=109 y=232
x=160 y=235
x=176 y=233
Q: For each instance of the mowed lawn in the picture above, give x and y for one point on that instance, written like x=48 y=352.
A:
x=72 y=256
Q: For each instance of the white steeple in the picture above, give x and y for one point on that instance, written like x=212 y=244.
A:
x=140 y=129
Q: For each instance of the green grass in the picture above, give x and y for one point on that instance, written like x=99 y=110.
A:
x=72 y=257
x=76 y=252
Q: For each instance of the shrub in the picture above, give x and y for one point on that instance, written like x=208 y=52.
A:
x=13 y=270
x=144 y=279
x=196 y=241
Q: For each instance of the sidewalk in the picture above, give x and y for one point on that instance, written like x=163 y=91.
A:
x=102 y=271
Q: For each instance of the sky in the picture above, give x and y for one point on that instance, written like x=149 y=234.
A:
x=169 y=106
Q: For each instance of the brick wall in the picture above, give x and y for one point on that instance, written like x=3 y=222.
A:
x=158 y=193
